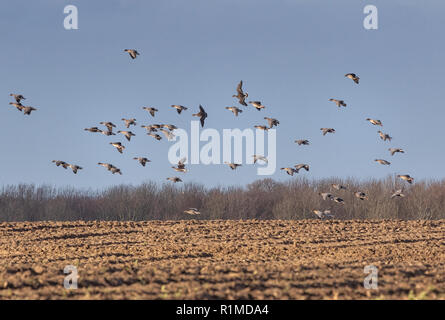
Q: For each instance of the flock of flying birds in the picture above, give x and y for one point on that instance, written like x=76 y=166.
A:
x=168 y=131
x=323 y=214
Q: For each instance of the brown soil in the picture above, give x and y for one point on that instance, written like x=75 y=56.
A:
x=197 y=259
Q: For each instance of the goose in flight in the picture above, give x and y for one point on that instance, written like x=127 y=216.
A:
x=232 y=165
x=129 y=122
x=18 y=105
x=17 y=97
x=259 y=157
x=174 y=179
x=118 y=146
x=109 y=125
x=384 y=136
x=92 y=129
x=155 y=135
x=339 y=103
x=302 y=142
x=406 y=177
x=181 y=163
x=152 y=111
x=201 y=114
x=235 y=110
x=192 y=211
x=384 y=162
x=327 y=130
x=375 y=122
x=142 y=160
x=257 y=104
x=338 y=187
x=323 y=214
x=61 y=163
x=398 y=193
x=181 y=166
x=300 y=166
x=338 y=200
x=132 y=52
x=127 y=134
x=325 y=195
x=178 y=108
x=395 y=150
x=107 y=133
x=361 y=195
x=240 y=94
x=353 y=77
x=110 y=167
x=272 y=122
x=261 y=127
x=289 y=171
x=150 y=128
x=75 y=167
x=28 y=109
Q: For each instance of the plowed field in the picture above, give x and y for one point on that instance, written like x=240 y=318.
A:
x=199 y=259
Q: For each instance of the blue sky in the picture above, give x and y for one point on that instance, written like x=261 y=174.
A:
x=291 y=54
